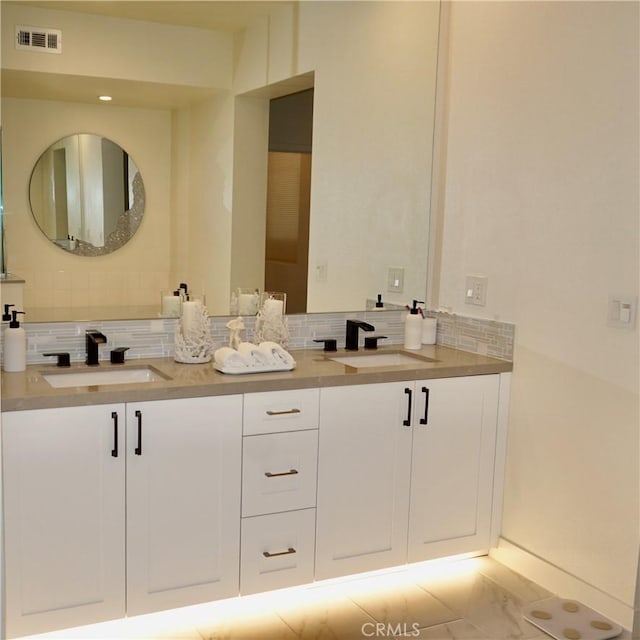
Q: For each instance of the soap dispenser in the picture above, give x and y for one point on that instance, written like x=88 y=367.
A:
x=15 y=346
x=413 y=327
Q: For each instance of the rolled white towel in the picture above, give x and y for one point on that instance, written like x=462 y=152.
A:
x=280 y=355
x=256 y=356
x=229 y=358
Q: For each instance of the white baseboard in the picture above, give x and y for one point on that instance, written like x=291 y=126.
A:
x=561 y=583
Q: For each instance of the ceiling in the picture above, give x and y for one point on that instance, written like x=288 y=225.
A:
x=224 y=15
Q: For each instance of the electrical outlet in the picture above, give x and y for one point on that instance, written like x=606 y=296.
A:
x=395 y=279
x=476 y=290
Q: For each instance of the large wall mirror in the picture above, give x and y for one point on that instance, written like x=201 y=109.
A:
x=197 y=124
x=87 y=195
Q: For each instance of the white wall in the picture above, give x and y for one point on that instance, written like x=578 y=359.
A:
x=542 y=197
x=201 y=199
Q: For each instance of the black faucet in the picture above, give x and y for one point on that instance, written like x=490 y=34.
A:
x=351 y=340
x=93 y=338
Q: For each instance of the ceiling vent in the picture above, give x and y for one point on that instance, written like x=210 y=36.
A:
x=39 y=39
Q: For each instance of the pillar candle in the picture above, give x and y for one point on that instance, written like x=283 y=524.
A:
x=190 y=318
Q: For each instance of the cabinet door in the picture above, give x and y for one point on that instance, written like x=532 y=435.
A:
x=183 y=501
x=64 y=517
x=363 y=478
x=452 y=466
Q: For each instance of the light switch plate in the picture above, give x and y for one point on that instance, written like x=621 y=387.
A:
x=621 y=311
x=321 y=272
x=395 y=279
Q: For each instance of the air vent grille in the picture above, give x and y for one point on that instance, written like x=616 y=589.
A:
x=39 y=39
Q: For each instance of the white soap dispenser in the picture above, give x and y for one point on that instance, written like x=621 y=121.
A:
x=15 y=346
x=413 y=327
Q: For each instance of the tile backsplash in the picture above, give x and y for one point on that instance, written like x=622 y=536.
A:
x=154 y=338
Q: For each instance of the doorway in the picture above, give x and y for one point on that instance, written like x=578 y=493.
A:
x=288 y=197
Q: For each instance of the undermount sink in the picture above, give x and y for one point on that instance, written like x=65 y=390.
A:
x=92 y=377
x=394 y=359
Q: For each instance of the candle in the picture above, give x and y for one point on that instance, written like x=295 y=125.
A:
x=247 y=304
x=171 y=306
x=191 y=318
x=273 y=307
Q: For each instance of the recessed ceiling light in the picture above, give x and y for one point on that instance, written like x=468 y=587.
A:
x=105 y=98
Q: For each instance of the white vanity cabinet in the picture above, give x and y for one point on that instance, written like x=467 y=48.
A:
x=406 y=472
x=183 y=501
x=71 y=518
x=64 y=517
x=279 y=472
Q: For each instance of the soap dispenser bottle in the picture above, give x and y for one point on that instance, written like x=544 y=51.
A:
x=15 y=346
x=413 y=327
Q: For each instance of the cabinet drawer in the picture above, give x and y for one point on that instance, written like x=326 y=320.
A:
x=277 y=550
x=277 y=411
x=279 y=472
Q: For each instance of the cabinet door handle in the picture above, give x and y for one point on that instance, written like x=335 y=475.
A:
x=138 y=449
x=291 y=472
x=425 y=420
x=407 y=422
x=114 y=451
x=268 y=554
x=283 y=413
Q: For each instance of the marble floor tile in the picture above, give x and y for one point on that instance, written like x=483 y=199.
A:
x=260 y=626
x=402 y=604
x=485 y=604
x=456 y=630
x=322 y=618
x=518 y=585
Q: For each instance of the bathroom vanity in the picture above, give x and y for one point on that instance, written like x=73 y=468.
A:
x=122 y=499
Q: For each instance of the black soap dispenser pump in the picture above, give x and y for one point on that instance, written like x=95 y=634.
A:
x=15 y=346
x=6 y=316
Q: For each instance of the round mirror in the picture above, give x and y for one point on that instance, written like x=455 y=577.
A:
x=87 y=195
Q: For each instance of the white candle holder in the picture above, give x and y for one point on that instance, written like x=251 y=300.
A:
x=271 y=321
x=244 y=302
x=170 y=304
x=193 y=341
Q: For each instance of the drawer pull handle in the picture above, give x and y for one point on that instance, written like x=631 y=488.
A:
x=268 y=554
x=283 y=413
x=291 y=472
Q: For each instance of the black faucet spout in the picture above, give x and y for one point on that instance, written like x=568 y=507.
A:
x=93 y=338
x=351 y=340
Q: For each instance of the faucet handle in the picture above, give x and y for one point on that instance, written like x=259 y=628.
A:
x=64 y=360
x=371 y=342
x=117 y=355
x=330 y=344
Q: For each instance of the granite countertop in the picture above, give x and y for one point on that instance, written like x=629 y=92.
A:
x=29 y=390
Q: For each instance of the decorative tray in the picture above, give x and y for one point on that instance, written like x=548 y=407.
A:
x=268 y=369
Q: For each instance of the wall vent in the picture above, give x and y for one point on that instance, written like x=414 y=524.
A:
x=39 y=39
